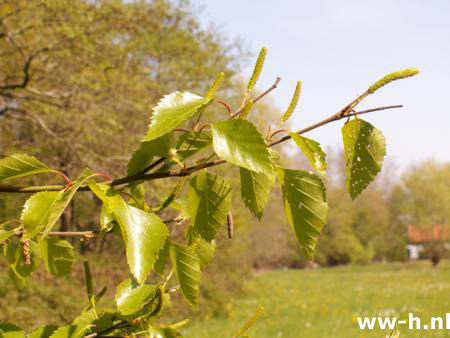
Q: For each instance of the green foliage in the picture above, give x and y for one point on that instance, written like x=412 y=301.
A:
x=131 y=297
x=138 y=222
x=172 y=111
x=240 y=143
x=144 y=233
x=21 y=165
x=365 y=148
x=11 y=331
x=255 y=190
x=187 y=267
x=313 y=152
x=57 y=255
x=209 y=200
x=306 y=208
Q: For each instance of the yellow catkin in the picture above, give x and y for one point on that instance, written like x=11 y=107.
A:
x=216 y=85
x=257 y=70
x=392 y=77
x=294 y=102
x=246 y=110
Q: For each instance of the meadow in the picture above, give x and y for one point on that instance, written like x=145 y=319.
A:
x=326 y=302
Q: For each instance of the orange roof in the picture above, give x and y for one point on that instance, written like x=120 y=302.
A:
x=437 y=232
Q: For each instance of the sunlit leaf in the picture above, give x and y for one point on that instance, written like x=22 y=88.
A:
x=209 y=200
x=20 y=165
x=239 y=142
x=187 y=267
x=365 y=148
x=143 y=232
x=173 y=110
x=57 y=255
x=306 y=208
x=131 y=297
x=42 y=210
x=313 y=152
x=43 y=331
x=163 y=256
x=255 y=190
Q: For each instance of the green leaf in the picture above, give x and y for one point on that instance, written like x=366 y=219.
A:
x=132 y=298
x=205 y=250
x=42 y=210
x=57 y=255
x=70 y=331
x=11 y=331
x=175 y=192
x=209 y=200
x=293 y=104
x=187 y=267
x=365 y=148
x=20 y=165
x=163 y=255
x=18 y=270
x=313 y=152
x=239 y=142
x=173 y=110
x=306 y=208
x=43 y=331
x=192 y=142
x=143 y=232
x=255 y=190
x=5 y=234
x=143 y=157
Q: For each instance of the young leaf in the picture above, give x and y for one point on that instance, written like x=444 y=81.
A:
x=173 y=110
x=143 y=232
x=57 y=255
x=42 y=210
x=257 y=70
x=365 y=148
x=255 y=190
x=239 y=142
x=163 y=255
x=205 y=250
x=143 y=157
x=209 y=200
x=18 y=270
x=306 y=208
x=293 y=104
x=20 y=165
x=187 y=268
x=131 y=298
x=313 y=152
x=175 y=192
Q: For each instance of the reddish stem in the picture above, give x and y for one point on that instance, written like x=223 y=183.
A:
x=226 y=105
x=277 y=132
x=66 y=179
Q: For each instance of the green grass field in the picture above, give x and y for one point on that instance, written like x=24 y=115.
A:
x=326 y=302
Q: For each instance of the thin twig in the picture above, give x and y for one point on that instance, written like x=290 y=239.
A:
x=188 y=170
x=272 y=87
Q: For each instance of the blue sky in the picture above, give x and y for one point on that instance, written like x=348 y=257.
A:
x=338 y=49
